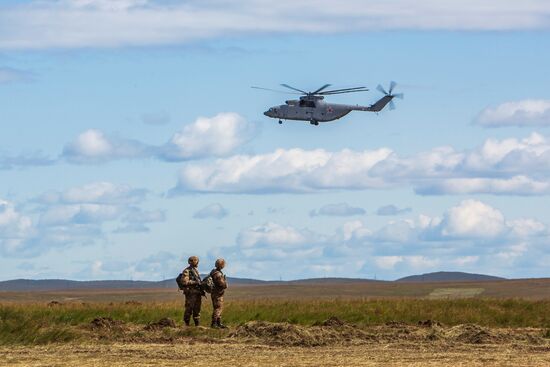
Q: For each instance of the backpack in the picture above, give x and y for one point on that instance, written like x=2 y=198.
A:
x=179 y=280
x=207 y=284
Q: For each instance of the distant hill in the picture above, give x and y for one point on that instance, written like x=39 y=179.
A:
x=63 y=284
x=448 y=276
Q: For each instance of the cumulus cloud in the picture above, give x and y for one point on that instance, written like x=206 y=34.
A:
x=293 y=170
x=508 y=166
x=214 y=210
x=73 y=217
x=471 y=233
x=73 y=23
x=529 y=112
x=155 y=267
x=217 y=136
x=392 y=210
x=338 y=210
x=473 y=219
x=15 y=228
x=93 y=146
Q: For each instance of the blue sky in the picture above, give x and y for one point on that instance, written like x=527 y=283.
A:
x=131 y=139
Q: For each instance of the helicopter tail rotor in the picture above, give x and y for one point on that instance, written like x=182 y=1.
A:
x=390 y=93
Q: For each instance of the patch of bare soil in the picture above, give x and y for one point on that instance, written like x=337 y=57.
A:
x=336 y=332
x=246 y=354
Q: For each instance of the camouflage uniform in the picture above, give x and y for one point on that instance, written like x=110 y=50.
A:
x=220 y=284
x=193 y=295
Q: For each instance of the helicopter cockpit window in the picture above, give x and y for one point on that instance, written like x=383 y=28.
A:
x=305 y=103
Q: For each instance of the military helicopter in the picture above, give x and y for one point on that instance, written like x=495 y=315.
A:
x=312 y=107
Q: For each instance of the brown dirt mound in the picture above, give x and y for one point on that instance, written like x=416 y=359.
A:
x=295 y=335
x=105 y=323
x=161 y=324
x=333 y=321
x=471 y=334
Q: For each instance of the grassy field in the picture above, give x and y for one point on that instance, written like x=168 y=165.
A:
x=379 y=323
x=41 y=323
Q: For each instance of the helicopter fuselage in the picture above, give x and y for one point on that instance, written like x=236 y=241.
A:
x=315 y=109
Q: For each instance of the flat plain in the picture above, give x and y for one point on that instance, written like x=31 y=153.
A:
x=301 y=324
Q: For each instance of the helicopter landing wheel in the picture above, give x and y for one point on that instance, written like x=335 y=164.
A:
x=280 y=122
x=313 y=122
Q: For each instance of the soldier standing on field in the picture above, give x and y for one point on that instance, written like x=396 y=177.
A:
x=192 y=289
x=220 y=284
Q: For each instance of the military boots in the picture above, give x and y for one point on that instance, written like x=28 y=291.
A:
x=217 y=324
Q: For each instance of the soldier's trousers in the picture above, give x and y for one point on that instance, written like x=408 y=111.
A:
x=217 y=307
x=192 y=307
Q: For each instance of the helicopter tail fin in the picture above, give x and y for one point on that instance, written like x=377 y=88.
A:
x=380 y=104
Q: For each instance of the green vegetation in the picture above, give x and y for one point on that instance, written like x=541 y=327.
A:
x=42 y=323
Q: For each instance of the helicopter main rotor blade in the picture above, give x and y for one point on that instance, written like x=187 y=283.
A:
x=274 y=90
x=381 y=89
x=392 y=105
x=345 y=90
x=392 y=85
x=320 y=89
x=398 y=95
x=296 y=89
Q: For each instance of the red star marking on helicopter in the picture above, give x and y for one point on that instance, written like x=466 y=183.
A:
x=329 y=109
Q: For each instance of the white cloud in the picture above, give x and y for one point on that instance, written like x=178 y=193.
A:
x=387 y=262
x=470 y=233
x=12 y=223
x=508 y=166
x=274 y=234
x=337 y=210
x=73 y=23
x=206 y=137
x=293 y=170
x=95 y=193
x=473 y=219
x=529 y=112
x=209 y=137
x=77 y=216
x=84 y=213
x=93 y=146
x=214 y=210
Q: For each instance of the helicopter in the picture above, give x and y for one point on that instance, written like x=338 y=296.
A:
x=312 y=107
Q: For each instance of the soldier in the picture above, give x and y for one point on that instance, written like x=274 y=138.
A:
x=220 y=284
x=193 y=292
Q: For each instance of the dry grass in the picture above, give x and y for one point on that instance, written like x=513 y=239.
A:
x=283 y=326
x=40 y=323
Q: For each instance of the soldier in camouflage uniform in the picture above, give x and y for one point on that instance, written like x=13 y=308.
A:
x=220 y=284
x=193 y=292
